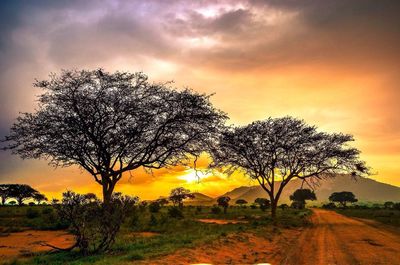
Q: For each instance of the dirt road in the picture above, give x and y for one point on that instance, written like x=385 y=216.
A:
x=336 y=239
x=332 y=239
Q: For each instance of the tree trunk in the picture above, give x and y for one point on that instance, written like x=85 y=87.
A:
x=20 y=201
x=273 y=209
x=107 y=192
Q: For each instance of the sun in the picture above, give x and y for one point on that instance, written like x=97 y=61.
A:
x=192 y=176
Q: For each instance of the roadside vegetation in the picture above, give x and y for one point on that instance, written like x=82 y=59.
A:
x=147 y=233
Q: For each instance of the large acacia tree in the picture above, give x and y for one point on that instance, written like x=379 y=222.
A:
x=275 y=151
x=111 y=123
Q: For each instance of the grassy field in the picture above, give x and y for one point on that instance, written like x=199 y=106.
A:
x=170 y=233
x=385 y=216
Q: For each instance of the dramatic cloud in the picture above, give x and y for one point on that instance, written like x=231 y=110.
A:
x=333 y=63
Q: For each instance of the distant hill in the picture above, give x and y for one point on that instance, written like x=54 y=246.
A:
x=366 y=190
x=199 y=199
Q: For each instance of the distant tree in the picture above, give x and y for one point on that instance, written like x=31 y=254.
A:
x=111 y=123
x=177 y=196
x=264 y=203
x=22 y=192
x=396 y=206
x=283 y=149
x=388 y=205
x=224 y=202
x=241 y=202
x=343 y=197
x=38 y=197
x=330 y=205
x=162 y=201
x=12 y=203
x=301 y=195
x=31 y=204
x=4 y=193
x=283 y=206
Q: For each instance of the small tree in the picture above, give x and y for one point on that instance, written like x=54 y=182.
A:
x=224 y=202
x=39 y=197
x=300 y=196
x=241 y=202
x=343 y=197
x=264 y=203
x=275 y=151
x=388 y=205
x=22 y=192
x=179 y=194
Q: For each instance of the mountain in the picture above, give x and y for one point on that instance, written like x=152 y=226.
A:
x=366 y=190
x=199 y=199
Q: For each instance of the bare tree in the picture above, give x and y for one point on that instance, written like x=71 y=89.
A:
x=275 y=151
x=111 y=123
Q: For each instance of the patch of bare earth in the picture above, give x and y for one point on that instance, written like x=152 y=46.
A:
x=221 y=221
x=28 y=242
x=240 y=248
x=332 y=239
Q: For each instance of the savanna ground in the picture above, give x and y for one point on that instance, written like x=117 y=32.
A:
x=242 y=236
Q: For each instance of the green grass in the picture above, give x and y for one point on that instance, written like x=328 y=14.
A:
x=173 y=233
x=385 y=216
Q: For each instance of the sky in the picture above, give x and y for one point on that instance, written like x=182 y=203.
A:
x=334 y=64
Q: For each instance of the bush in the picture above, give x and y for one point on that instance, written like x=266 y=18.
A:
x=253 y=206
x=32 y=213
x=330 y=205
x=199 y=209
x=215 y=210
x=94 y=223
x=153 y=220
x=47 y=210
x=283 y=206
x=31 y=204
x=175 y=212
x=154 y=207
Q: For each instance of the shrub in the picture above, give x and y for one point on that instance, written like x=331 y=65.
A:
x=175 y=212
x=215 y=210
x=31 y=204
x=330 y=205
x=154 y=207
x=199 y=209
x=94 y=223
x=153 y=220
x=283 y=206
x=32 y=213
x=253 y=206
x=47 y=210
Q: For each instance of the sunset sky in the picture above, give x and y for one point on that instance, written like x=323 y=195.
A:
x=335 y=64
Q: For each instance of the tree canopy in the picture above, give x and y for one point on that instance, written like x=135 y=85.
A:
x=277 y=150
x=343 y=197
x=110 y=123
x=223 y=201
x=300 y=196
x=177 y=195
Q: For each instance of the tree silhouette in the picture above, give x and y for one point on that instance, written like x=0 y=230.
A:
x=38 y=197
x=241 y=202
x=301 y=195
x=388 y=205
x=5 y=190
x=275 y=151
x=224 y=202
x=111 y=123
x=177 y=196
x=343 y=197
x=22 y=192
x=264 y=203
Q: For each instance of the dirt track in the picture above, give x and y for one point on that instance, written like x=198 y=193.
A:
x=336 y=239
x=332 y=239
